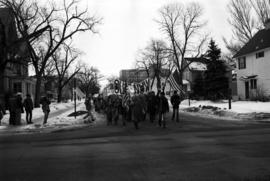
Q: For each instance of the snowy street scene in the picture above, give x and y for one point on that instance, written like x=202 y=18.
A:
x=132 y=90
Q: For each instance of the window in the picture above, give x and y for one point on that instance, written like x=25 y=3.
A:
x=253 y=83
x=259 y=55
x=17 y=87
x=242 y=63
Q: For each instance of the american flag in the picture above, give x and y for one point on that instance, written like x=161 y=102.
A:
x=125 y=99
x=175 y=82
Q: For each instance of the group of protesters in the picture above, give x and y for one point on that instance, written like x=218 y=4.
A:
x=136 y=108
x=16 y=106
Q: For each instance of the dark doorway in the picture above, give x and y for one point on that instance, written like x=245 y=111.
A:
x=247 y=89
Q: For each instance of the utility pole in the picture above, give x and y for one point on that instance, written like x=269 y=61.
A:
x=75 y=97
x=230 y=98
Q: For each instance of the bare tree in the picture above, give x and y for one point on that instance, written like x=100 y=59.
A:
x=63 y=60
x=13 y=47
x=89 y=79
x=182 y=24
x=241 y=19
x=262 y=9
x=246 y=18
x=156 y=53
x=50 y=69
x=63 y=22
x=142 y=63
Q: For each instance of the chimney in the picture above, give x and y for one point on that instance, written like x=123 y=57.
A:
x=267 y=24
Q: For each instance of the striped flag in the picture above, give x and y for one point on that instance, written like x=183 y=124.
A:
x=175 y=82
x=125 y=99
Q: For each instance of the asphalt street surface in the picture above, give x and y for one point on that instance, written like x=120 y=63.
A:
x=195 y=149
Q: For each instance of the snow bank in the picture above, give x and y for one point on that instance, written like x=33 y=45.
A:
x=237 y=107
x=240 y=109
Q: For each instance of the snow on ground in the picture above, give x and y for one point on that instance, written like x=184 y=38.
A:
x=237 y=107
x=241 y=110
x=38 y=113
x=54 y=122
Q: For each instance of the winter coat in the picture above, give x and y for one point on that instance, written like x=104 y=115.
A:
x=88 y=105
x=175 y=101
x=139 y=107
x=28 y=104
x=152 y=104
x=45 y=102
x=163 y=105
x=19 y=109
x=19 y=104
x=2 y=112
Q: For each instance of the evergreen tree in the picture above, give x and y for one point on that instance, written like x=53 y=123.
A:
x=213 y=52
x=215 y=76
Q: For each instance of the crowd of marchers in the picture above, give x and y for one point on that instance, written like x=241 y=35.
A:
x=17 y=105
x=135 y=108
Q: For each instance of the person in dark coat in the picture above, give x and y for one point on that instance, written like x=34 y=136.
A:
x=115 y=103
x=151 y=104
x=45 y=102
x=28 y=107
x=163 y=108
x=18 y=109
x=108 y=105
x=138 y=109
x=2 y=112
x=12 y=109
x=88 y=106
x=175 y=101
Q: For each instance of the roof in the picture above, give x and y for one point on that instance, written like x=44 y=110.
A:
x=247 y=78
x=198 y=64
x=261 y=40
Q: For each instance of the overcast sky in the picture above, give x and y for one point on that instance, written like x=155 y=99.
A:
x=129 y=24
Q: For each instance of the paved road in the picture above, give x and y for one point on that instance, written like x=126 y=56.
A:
x=196 y=149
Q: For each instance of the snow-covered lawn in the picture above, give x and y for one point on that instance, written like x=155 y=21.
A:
x=54 y=122
x=237 y=107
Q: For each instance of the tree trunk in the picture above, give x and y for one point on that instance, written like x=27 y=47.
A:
x=152 y=84
x=38 y=91
x=180 y=78
x=59 y=94
x=158 y=83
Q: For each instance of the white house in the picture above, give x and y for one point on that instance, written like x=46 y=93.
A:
x=253 y=67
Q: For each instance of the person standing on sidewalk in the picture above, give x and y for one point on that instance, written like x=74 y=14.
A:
x=28 y=106
x=175 y=101
x=88 y=106
x=12 y=109
x=163 y=108
x=18 y=109
x=2 y=112
x=45 y=102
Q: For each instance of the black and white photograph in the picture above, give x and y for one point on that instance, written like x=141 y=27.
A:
x=134 y=90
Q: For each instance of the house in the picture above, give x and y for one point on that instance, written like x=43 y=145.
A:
x=194 y=71
x=253 y=65
x=15 y=76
